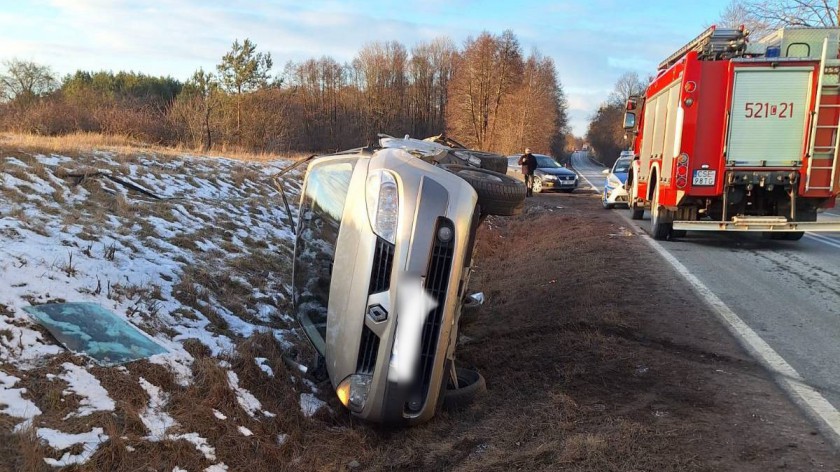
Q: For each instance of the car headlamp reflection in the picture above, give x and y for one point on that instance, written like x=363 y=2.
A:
x=383 y=204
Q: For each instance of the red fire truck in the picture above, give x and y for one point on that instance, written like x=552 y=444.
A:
x=739 y=136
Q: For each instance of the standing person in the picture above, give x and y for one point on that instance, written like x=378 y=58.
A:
x=529 y=165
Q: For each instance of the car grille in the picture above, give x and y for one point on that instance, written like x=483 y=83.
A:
x=368 y=350
x=437 y=280
x=383 y=260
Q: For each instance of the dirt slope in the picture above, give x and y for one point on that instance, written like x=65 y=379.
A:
x=592 y=364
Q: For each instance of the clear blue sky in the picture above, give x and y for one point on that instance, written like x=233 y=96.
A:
x=592 y=42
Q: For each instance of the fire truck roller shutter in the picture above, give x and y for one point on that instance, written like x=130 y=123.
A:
x=769 y=115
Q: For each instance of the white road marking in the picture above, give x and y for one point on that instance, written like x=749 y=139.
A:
x=592 y=187
x=823 y=239
x=808 y=398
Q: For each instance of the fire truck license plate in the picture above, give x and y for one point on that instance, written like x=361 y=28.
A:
x=703 y=177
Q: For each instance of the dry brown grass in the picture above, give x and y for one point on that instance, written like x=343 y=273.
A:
x=122 y=145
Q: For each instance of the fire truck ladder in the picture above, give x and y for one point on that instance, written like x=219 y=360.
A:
x=713 y=43
x=828 y=86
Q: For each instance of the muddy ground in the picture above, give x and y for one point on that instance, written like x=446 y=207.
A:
x=599 y=357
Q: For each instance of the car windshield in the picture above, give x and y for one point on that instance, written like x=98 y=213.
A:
x=622 y=165
x=320 y=216
x=545 y=162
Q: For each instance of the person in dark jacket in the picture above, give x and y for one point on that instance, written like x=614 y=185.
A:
x=529 y=165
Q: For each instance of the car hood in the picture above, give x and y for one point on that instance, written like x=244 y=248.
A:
x=558 y=171
x=622 y=176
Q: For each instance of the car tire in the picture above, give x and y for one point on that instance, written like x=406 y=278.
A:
x=471 y=384
x=494 y=163
x=607 y=206
x=678 y=233
x=498 y=194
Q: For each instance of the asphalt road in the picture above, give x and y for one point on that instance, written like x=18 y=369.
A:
x=787 y=292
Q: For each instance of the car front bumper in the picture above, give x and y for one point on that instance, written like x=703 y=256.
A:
x=613 y=195
x=429 y=197
x=559 y=184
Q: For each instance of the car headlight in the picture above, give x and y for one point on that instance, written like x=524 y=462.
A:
x=614 y=182
x=353 y=391
x=548 y=177
x=383 y=204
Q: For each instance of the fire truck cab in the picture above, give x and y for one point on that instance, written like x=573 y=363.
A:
x=739 y=136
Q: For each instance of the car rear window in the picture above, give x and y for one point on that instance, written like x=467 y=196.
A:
x=321 y=211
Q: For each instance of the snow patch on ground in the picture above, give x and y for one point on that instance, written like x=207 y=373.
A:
x=154 y=418
x=12 y=401
x=82 y=383
x=262 y=363
x=310 y=404
x=246 y=399
x=60 y=441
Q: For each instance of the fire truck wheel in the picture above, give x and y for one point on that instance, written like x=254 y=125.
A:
x=636 y=212
x=660 y=218
x=678 y=233
x=787 y=236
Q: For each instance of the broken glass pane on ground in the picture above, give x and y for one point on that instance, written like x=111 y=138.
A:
x=87 y=328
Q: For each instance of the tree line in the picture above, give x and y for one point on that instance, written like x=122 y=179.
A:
x=487 y=94
x=605 y=133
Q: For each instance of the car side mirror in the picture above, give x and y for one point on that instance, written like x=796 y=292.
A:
x=629 y=120
x=605 y=172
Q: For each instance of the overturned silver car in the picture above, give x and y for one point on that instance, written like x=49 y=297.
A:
x=383 y=255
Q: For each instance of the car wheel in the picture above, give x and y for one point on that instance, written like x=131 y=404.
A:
x=536 y=185
x=607 y=206
x=471 y=384
x=498 y=194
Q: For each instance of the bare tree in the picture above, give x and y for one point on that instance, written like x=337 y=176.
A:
x=381 y=69
x=738 y=13
x=626 y=86
x=779 y=13
x=429 y=73
x=25 y=80
x=205 y=87
x=487 y=74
